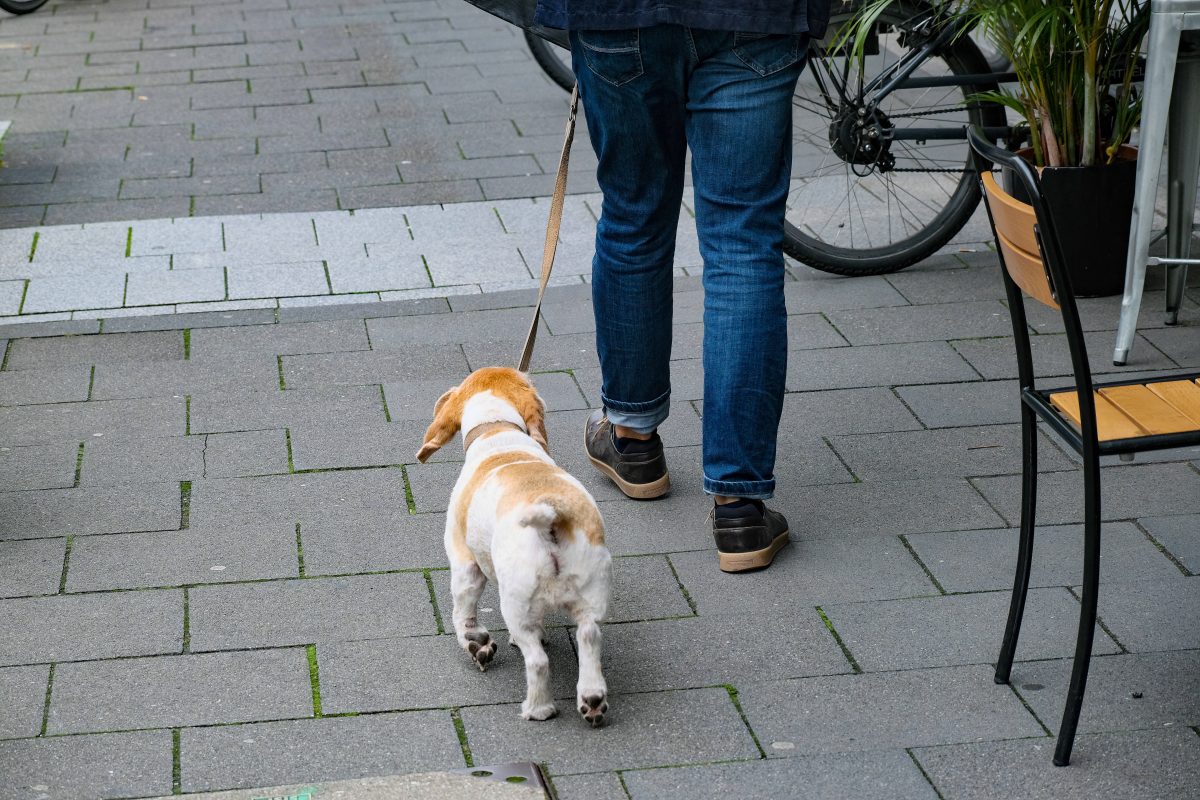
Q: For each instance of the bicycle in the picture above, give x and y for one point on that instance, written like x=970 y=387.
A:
x=881 y=168
x=21 y=6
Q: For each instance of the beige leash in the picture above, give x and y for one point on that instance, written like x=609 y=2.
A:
x=552 y=226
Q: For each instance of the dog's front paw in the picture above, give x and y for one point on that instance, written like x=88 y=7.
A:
x=481 y=647
x=539 y=712
x=593 y=707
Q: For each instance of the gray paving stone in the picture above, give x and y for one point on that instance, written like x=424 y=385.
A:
x=976 y=283
x=318 y=750
x=358 y=444
x=405 y=541
x=11 y=293
x=175 y=286
x=415 y=363
x=891 y=508
x=997 y=358
x=830 y=295
x=431 y=672
x=277 y=280
x=75 y=422
x=509 y=324
x=1142 y=621
x=230 y=455
x=842 y=411
x=66 y=627
x=368 y=497
x=384 y=271
x=38 y=466
x=1141 y=691
x=888 y=775
x=194 y=235
x=657 y=655
x=395 y=308
x=172 y=691
x=23 y=693
x=958 y=629
x=178 y=378
x=934 y=322
x=593 y=786
x=103 y=765
x=317 y=610
x=566 y=351
x=116 y=461
x=1177 y=342
x=193 y=319
x=807 y=573
x=949 y=405
x=175 y=558
x=1122 y=766
x=981 y=561
x=69 y=292
x=630 y=601
x=285 y=339
x=31 y=566
x=109 y=349
x=1138 y=490
x=954 y=452
x=876 y=365
x=27 y=387
x=50 y=325
x=641 y=730
x=878 y=711
x=148 y=507
x=811 y=332
x=259 y=410
x=1180 y=535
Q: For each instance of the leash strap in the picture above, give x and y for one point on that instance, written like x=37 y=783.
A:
x=552 y=226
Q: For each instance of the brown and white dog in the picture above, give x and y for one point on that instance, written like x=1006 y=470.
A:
x=517 y=519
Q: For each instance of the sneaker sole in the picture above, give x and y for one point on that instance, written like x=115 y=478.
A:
x=755 y=559
x=637 y=491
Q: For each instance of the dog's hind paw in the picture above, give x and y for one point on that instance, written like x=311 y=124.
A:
x=481 y=647
x=593 y=708
x=541 y=712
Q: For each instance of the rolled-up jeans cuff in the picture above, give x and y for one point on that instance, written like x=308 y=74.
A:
x=638 y=417
x=751 y=490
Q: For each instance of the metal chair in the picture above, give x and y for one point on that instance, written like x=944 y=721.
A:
x=1094 y=419
x=1172 y=84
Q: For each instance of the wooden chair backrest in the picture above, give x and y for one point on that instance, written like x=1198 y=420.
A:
x=1019 y=248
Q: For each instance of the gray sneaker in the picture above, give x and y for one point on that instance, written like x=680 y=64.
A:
x=640 y=472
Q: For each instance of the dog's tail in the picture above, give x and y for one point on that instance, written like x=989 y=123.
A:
x=540 y=515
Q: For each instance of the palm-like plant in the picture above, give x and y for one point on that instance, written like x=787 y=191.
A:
x=1074 y=60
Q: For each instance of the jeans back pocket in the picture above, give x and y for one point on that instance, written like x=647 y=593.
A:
x=767 y=53
x=614 y=56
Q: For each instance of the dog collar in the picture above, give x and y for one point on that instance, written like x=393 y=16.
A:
x=487 y=427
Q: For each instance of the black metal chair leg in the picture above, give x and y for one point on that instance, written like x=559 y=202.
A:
x=1087 y=611
x=1016 y=609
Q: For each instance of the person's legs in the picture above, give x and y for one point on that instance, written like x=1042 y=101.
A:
x=739 y=121
x=632 y=85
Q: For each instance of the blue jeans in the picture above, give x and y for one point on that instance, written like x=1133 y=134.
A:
x=649 y=94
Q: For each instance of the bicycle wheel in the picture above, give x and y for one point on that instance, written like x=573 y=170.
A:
x=858 y=208
x=555 y=61
x=21 y=6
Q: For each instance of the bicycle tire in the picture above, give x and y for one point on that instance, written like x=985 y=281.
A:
x=547 y=56
x=21 y=6
x=961 y=56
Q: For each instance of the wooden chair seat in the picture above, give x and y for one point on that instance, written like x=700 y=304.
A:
x=1141 y=409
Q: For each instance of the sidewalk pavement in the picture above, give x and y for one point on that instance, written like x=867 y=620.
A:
x=222 y=567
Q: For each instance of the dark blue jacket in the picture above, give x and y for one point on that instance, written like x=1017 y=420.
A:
x=747 y=16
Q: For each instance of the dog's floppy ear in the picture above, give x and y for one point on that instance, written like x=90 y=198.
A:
x=447 y=417
x=533 y=411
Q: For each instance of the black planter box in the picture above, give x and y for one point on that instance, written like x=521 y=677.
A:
x=1091 y=207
